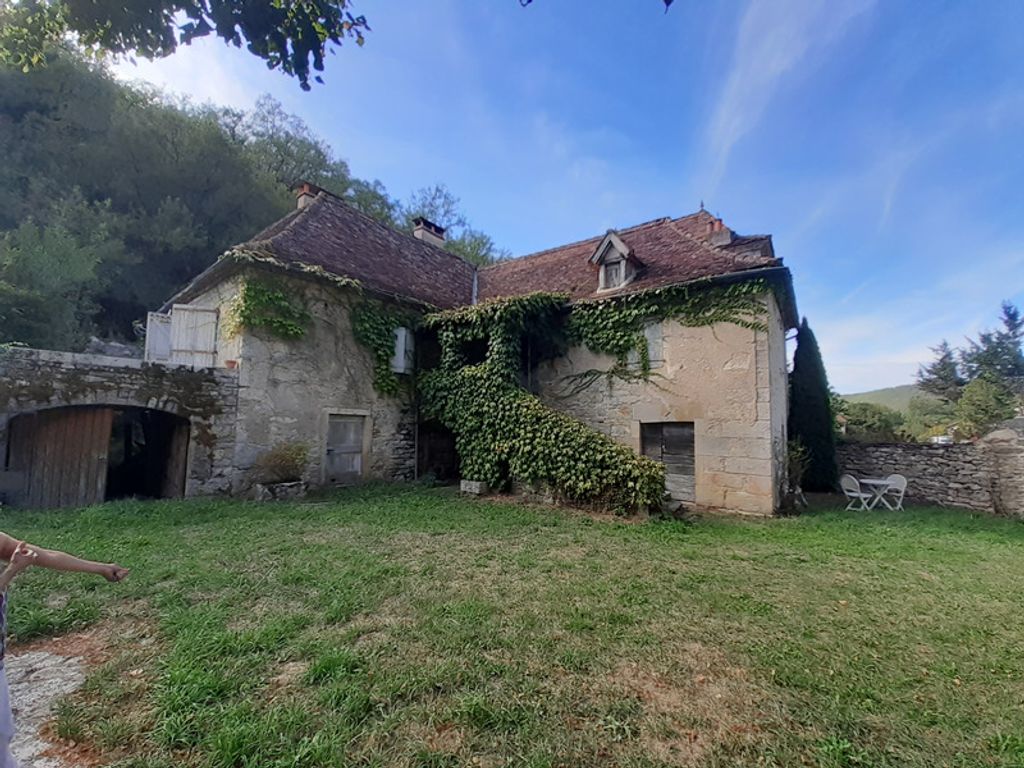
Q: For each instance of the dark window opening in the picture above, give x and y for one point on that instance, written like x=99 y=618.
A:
x=146 y=457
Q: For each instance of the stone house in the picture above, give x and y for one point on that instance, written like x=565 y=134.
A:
x=714 y=409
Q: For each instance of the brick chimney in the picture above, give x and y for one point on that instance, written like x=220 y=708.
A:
x=428 y=231
x=305 y=193
x=718 y=233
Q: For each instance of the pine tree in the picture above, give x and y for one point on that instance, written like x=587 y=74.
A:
x=810 y=412
x=942 y=376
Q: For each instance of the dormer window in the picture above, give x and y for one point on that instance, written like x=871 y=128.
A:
x=615 y=261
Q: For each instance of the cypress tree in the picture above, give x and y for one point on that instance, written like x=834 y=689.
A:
x=810 y=412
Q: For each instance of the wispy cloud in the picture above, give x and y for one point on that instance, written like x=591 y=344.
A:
x=773 y=41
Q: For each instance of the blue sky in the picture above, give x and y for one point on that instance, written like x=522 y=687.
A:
x=881 y=142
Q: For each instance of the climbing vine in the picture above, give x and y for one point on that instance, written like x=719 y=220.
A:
x=374 y=324
x=503 y=432
x=616 y=326
x=260 y=305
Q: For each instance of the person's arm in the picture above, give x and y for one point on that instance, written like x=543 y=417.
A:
x=17 y=561
x=61 y=561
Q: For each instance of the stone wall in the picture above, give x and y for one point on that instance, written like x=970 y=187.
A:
x=289 y=388
x=729 y=381
x=986 y=476
x=32 y=380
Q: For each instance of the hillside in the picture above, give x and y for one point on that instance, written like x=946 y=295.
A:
x=897 y=398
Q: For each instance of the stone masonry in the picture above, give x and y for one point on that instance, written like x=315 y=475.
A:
x=987 y=476
x=32 y=380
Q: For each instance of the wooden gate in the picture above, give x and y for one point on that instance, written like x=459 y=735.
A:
x=62 y=454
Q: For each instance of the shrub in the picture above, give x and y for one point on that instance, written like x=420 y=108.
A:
x=283 y=463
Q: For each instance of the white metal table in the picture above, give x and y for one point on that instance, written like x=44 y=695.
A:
x=877 y=487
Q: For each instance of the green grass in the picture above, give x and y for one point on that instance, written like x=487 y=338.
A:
x=394 y=626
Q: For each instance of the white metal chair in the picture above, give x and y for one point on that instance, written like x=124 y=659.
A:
x=897 y=487
x=851 y=489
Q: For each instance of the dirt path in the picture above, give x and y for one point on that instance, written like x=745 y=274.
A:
x=38 y=679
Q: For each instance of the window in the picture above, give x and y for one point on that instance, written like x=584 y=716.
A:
x=193 y=336
x=672 y=443
x=612 y=274
x=655 y=348
x=404 y=358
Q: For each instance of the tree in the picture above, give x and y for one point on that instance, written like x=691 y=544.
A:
x=810 y=413
x=290 y=35
x=437 y=204
x=985 y=402
x=997 y=353
x=872 y=423
x=928 y=416
x=942 y=376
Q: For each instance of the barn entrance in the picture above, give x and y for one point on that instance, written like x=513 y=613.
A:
x=83 y=455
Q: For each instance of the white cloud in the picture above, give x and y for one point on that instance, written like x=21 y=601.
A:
x=773 y=41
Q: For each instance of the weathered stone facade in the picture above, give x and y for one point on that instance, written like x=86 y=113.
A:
x=36 y=380
x=987 y=476
x=728 y=380
x=288 y=389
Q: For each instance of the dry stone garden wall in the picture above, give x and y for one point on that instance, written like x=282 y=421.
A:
x=987 y=476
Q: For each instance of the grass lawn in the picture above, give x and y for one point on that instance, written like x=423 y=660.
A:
x=395 y=626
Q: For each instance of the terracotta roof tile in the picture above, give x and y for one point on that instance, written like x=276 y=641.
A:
x=671 y=251
x=331 y=234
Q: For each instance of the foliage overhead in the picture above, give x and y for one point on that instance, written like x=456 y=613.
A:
x=810 y=412
x=290 y=35
x=145 y=191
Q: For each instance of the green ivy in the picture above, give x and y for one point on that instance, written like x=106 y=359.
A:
x=374 y=324
x=260 y=305
x=503 y=432
x=616 y=326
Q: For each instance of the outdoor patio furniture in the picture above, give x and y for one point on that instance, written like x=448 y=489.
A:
x=897 y=488
x=851 y=489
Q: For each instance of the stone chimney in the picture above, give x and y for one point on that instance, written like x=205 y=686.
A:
x=718 y=233
x=428 y=231
x=305 y=193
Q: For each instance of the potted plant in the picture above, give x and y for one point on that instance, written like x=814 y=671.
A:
x=279 y=472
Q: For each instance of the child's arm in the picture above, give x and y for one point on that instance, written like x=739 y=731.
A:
x=62 y=561
x=11 y=550
x=17 y=560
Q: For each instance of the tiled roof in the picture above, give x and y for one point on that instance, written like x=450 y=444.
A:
x=670 y=251
x=331 y=234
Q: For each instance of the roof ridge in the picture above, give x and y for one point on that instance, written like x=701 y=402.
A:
x=632 y=228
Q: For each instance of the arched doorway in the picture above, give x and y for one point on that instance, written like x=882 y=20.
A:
x=80 y=455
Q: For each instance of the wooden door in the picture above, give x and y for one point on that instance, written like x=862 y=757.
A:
x=344 y=459
x=63 y=453
x=173 y=486
x=672 y=443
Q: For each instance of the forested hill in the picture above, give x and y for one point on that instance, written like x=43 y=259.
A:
x=112 y=197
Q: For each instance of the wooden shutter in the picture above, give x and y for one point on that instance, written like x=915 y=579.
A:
x=402 y=359
x=344 y=459
x=672 y=443
x=193 y=336
x=158 y=337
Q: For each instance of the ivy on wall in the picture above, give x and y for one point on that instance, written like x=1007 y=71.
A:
x=503 y=432
x=374 y=324
x=616 y=326
x=260 y=305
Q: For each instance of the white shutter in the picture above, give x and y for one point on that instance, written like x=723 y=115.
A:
x=193 y=336
x=655 y=345
x=158 y=338
x=402 y=360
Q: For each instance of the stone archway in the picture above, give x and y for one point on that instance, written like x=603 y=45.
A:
x=61 y=410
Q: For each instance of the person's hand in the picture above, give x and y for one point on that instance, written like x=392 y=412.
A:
x=113 y=572
x=23 y=557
